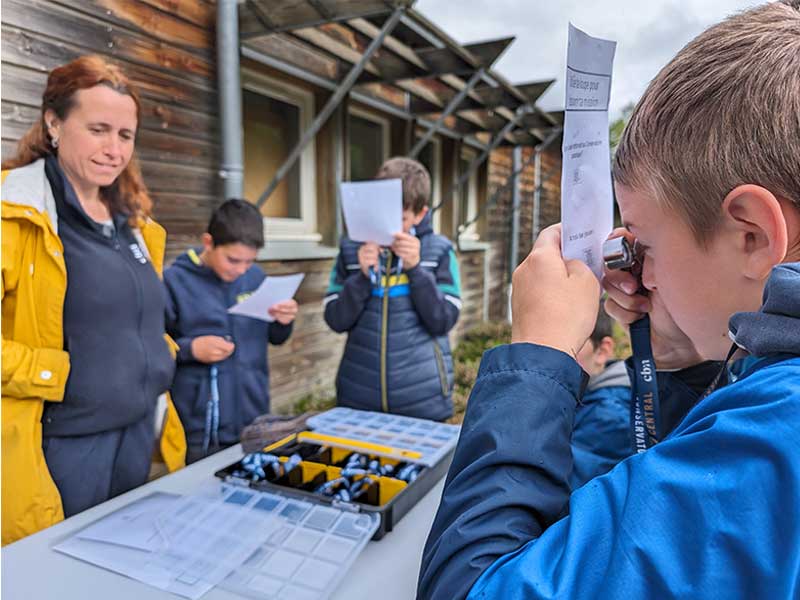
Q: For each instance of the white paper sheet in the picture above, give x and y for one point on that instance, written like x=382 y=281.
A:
x=274 y=289
x=587 y=201
x=373 y=210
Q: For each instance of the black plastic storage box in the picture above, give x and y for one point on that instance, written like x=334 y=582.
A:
x=393 y=446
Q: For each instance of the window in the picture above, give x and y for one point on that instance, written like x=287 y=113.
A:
x=274 y=116
x=468 y=198
x=431 y=157
x=369 y=144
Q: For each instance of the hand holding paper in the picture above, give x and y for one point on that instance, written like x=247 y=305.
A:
x=274 y=290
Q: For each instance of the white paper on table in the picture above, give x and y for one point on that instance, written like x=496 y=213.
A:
x=274 y=289
x=134 y=525
x=587 y=200
x=373 y=210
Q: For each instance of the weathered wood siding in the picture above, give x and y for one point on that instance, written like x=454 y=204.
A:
x=167 y=48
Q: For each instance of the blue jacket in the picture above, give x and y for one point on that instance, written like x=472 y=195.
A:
x=709 y=512
x=601 y=435
x=397 y=357
x=197 y=304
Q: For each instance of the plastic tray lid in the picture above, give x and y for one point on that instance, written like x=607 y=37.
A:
x=308 y=548
x=402 y=438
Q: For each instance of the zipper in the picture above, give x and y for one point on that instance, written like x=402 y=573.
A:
x=140 y=298
x=384 y=334
x=440 y=366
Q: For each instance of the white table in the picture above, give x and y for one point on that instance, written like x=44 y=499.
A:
x=32 y=570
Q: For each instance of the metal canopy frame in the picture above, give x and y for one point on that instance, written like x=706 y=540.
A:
x=386 y=42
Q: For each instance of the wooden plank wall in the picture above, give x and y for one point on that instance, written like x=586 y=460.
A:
x=167 y=48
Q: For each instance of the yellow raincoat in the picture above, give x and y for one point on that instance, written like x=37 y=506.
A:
x=34 y=365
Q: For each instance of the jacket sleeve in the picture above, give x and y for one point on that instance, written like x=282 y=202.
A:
x=437 y=295
x=279 y=333
x=28 y=372
x=347 y=295
x=172 y=323
x=509 y=477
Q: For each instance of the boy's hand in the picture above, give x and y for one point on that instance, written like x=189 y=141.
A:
x=554 y=302
x=211 y=348
x=284 y=312
x=672 y=349
x=368 y=255
x=406 y=246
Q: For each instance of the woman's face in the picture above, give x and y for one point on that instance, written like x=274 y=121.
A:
x=96 y=140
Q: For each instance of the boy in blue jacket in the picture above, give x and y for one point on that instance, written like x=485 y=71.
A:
x=707 y=180
x=222 y=379
x=601 y=436
x=397 y=305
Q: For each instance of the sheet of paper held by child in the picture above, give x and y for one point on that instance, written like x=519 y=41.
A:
x=274 y=289
x=373 y=210
x=587 y=200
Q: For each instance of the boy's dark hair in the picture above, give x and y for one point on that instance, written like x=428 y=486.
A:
x=237 y=221
x=416 y=181
x=603 y=328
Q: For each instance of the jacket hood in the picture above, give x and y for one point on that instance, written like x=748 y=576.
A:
x=614 y=375
x=29 y=186
x=775 y=328
x=425 y=226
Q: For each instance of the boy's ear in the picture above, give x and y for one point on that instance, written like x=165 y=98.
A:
x=208 y=241
x=605 y=350
x=420 y=215
x=757 y=220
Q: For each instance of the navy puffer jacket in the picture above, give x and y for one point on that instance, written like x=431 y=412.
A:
x=397 y=357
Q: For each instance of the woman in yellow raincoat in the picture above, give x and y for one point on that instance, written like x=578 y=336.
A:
x=85 y=362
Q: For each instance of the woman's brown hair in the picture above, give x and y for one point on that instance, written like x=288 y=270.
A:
x=128 y=193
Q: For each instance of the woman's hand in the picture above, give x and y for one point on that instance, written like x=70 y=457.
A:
x=211 y=348
x=284 y=312
x=554 y=302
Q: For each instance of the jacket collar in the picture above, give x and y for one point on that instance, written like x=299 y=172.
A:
x=28 y=186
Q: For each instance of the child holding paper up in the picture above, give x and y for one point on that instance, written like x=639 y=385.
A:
x=222 y=379
x=397 y=305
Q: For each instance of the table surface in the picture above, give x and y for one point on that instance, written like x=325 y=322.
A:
x=32 y=570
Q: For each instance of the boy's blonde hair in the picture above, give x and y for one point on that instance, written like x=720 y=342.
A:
x=416 y=181
x=724 y=112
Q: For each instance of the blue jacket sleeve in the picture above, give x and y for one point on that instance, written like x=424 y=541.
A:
x=437 y=295
x=347 y=295
x=279 y=333
x=509 y=477
x=171 y=322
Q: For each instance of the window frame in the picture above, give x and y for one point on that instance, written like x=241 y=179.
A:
x=470 y=233
x=305 y=228
x=436 y=176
